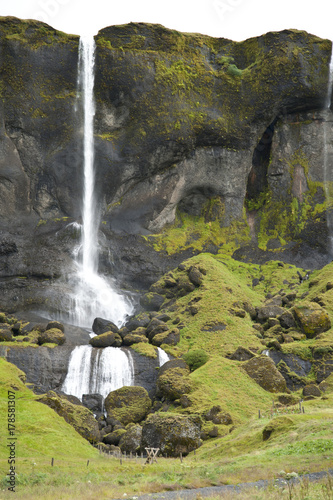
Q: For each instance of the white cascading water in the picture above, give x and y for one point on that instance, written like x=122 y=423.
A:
x=98 y=371
x=163 y=357
x=328 y=155
x=94 y=296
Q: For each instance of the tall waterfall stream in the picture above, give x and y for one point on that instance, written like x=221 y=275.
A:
x=92 y=370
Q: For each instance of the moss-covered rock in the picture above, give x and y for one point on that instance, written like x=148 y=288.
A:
x=263 y=370
x=312 y=318
x=169 y=337
x=114 y=437
x=174 y=382
x=106 y=339
x=76 y=415
x=172 y=434
x=277 y=426
x=130 y=441
x=5 y=334
x=52 y=336
x=128 y=404
x=134 y=338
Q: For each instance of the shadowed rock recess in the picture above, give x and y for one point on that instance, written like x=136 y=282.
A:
x=189 y=130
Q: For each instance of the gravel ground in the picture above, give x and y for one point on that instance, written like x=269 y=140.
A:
x=220 y=490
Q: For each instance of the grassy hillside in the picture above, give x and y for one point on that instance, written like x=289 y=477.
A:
x=210 y=319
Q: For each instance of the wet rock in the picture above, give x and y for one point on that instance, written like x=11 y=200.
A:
x=107 y=339
x=101 y=325
x=134 y=338
x=173 y=434
x=114 y=437
x=93 y=402
x=55 y=324
x=152 y=301
x=52 y=336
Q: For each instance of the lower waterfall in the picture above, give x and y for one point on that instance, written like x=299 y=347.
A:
x=98 y=371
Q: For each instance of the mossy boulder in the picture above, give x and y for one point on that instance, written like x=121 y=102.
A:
x=263 y=370
x=55 y=324
x=6 y=334
x=172 y=434
x=128 y=404
x=114 y=437
x=311 y=391
x=277 y=426
x=52 y=336
x=242 y=354
x=327 y=384
x=130 y=441
x=269 y=311
x=152 y=301
x=101 y=325
x=169 y=337
x=174 y=382
x=134 y=338
x=76 y=415
x=107 y=339
x=312 y=318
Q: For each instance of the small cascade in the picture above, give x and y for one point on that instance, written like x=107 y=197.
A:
x=265 y=352
x=98 y=371
x=163 y=357
x=328 y=156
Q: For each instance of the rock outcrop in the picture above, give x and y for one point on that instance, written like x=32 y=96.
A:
x=185 y=125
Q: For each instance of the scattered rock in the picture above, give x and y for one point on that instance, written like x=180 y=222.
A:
x=312 y=318
x=195 y=276
x=263 y=370
x=242 y=354
x=170 y=337
x=269 y=311
x=311 y=390
x=6 y=334
x=55 y=324
x=133 y=338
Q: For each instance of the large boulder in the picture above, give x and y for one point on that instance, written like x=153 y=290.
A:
x=101 y=325
x=107 y=339
x=172 y=434
x=130 y=441
x=52 y=336
x=170 y=337
x=174 y=382
x=312 y=318
x=263 y=370
x=76 y=415
x=128 y=404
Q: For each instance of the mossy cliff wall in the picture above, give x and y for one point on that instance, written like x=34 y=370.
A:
x=179 y=118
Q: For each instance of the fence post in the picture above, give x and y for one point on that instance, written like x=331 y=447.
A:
x=52 y=462
x=87 y=463
x=259 y=414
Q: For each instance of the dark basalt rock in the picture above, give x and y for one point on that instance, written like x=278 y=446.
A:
x=101 y=325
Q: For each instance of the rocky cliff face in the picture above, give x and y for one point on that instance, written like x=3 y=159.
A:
x=200 y=144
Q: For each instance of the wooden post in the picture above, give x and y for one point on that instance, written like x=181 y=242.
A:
x=181 y=457
x=87 y=463
x=259 y=414
x=52 y=462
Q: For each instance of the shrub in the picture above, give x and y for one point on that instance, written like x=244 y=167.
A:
x=195 y=358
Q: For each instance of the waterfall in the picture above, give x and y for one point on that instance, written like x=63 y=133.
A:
x=163 y=357
x=98 y=371
x=328 y=156
x=94 y=295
